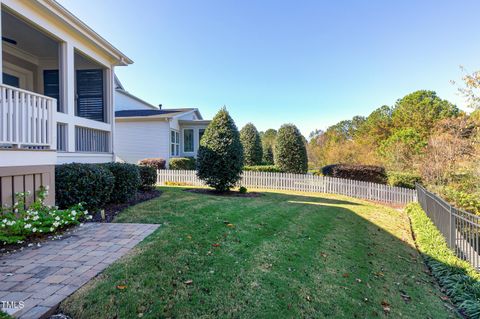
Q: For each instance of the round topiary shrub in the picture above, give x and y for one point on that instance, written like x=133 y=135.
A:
x=182 y=163
x=148 y=177
x=290 y=150
x=89 y=184
x=220 y=156
x=157 y=163
x=252 y=145
x=127 y=181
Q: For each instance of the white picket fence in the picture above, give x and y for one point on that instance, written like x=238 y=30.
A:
x=303 y=183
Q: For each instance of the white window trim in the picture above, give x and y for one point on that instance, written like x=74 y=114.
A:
x=25 y=77
x=176 y=143
x=193 y=140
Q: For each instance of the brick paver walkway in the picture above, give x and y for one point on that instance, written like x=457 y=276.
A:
x=41 y=277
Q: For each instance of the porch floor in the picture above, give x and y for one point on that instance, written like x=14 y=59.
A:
x=42 y=277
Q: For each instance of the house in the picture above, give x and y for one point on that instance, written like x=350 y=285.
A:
x=143 y=130
x=56 y=95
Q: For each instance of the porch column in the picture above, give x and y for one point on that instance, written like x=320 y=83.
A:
x=110 y=104
x=67 y=88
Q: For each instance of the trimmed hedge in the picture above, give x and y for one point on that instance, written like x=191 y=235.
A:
x=365 y=173
x=459 y=280
x=148 y=177
x=401 y=179
x=182 y=163
x=263 y=168
x=127 y=181
x=157 y=163
x=90 y=184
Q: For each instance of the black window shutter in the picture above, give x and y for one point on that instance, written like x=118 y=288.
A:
x=51 y=85
x=90 y=94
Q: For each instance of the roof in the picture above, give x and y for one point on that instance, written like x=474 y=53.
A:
x=57 y=9
x=165 y=113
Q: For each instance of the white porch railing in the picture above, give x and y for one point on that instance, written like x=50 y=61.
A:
x=26 y=118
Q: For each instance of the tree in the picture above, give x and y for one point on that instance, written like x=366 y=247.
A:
x=290 y=152
x=220 y=155
x=377 y=126
x=420 y=110
x=252 y=146
x=268 y=144
x=402 y=148
x=471 y=90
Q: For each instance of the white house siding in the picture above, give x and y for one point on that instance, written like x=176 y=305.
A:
x=137 y=140
x=125 y=102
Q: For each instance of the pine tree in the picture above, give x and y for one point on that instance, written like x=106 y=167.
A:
x=252 y=146
x=220 y=156
x=290 y=151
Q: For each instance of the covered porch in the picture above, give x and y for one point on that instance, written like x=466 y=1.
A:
x=53 y=96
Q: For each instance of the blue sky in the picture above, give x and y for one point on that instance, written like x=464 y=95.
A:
x=311 y=63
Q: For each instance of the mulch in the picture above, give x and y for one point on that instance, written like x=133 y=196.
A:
x=113 y=210
x=207 y=191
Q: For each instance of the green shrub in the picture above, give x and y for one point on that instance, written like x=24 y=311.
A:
x=18 y=223
x=182 y=163
x=401 y=179
x=462 y=200
x=242 y=190
x=290 y=151
x=252 y=145
x=365 y=173
x=90 y=184
x=127 y=181
x=157 y=163
x=220 y=156
x=148 y=177
x=263 y=168
x=460 y=280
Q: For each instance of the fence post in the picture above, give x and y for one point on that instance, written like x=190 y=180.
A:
x=451 y=237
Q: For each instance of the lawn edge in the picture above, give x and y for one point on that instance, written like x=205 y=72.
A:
x=457 y=278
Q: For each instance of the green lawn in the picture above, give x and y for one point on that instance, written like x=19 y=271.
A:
x=286 y=255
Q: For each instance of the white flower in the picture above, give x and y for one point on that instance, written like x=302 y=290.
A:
x=35 y=217
x=34 y=229
x=4 y=221
x=74 y=213
x=56 y=224
x=52 y=229
x=27 y=226
x=57 y=218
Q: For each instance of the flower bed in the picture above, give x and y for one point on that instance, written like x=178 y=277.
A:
x=19 y=223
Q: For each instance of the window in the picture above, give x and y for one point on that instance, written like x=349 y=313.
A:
x=174 y=143
x=200 y=134
x=188 y=140
x=90 y=100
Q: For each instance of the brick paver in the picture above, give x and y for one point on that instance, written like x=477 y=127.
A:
x=41 y=277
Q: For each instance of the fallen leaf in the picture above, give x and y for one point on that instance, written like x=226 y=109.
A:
x=345 y=275
x=358 y=280
x=444 y=298
x=385 y=306
x=216 y=245
x=189 y=237
x=323 y=255
x=230 y=225
x=308 y=298
x=188 y=282
x=121 y=287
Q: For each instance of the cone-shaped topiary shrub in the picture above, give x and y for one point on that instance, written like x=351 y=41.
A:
x=252 y=145
x=220 y=156
x=290 y=150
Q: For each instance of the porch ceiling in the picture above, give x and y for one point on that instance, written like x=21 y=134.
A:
x=28 y=38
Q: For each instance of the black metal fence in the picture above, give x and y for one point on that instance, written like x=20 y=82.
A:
x=460 y=229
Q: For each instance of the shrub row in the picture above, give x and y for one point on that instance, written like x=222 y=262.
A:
x=263 y=168
x=366 y=173
x=157 y=163
x=460 y=281
x=96 y=185
x=182 y=163
x=401 y=179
